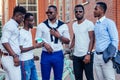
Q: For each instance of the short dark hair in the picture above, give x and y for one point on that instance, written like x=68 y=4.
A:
x=27 y=15
x=79 y=5
x=103 y=5
x=19 y=9
x=53 y=6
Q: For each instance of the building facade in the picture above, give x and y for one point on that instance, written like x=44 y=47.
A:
x=65 y=10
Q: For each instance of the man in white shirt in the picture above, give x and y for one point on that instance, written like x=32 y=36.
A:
x=53 y=33
x=10 y=42
x=2 y=72
x=28 y=68
x=83 y=42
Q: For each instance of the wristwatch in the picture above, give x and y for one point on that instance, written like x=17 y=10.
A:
x=89 y=53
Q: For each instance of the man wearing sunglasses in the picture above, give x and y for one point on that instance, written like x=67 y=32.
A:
x=53 y=33
x=83 y=42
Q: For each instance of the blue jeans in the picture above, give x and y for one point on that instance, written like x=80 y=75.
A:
x=53 y=60
x=28 y=70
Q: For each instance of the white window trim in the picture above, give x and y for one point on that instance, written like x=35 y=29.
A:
x=31 y=11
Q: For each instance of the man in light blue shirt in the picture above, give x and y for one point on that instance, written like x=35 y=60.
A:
x=105 y=33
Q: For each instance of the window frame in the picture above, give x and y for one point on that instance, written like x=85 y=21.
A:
x=26 y=5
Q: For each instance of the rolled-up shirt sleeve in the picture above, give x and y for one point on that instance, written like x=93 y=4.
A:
x=66 y=32
x=6 y=34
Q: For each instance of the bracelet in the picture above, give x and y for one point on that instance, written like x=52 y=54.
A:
x=15 y=55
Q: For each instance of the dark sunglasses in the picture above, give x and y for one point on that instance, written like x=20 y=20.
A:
x=78 y=11
x=49 y=12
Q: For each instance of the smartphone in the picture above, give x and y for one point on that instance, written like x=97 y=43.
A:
x=39 y=40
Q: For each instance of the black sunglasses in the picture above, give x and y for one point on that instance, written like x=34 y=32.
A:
x=49 y=12
x=78 y=11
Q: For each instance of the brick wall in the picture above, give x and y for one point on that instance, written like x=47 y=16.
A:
x=118 y=17
x=90 y=8
x=113 y=11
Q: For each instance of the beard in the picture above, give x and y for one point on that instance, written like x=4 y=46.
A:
x=79 y=18
x=30 y=26
x=97 y=15
x=51 y=18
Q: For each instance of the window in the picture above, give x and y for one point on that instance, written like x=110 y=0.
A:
x=31 y=6
x=67 y=10
x=54 y=2
x=60 y=9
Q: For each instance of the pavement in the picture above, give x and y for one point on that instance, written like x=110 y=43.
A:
x=37 y=52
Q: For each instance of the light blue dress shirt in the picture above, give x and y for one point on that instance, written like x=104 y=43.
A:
x=105 y=33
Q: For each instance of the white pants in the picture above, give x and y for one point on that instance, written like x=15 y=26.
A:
x=104 y=71
x=12 y=72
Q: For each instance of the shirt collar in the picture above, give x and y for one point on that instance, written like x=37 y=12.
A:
x=14 y=22
x=101 y=19
x=49 y=22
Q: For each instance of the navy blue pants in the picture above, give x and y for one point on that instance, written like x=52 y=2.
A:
x=53 y=60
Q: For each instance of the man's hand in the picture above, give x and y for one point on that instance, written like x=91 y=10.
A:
x=16 y=61
x=48 y=47
x=55 y=33
x=38 y=45
x=86 y=59
x=36 y=58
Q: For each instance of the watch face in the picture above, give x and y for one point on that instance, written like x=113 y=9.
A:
x=88 y=52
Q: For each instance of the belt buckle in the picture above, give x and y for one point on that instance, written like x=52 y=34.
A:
x=99 y=53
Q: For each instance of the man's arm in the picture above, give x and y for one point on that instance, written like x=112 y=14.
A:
x=73 y=42
x=9 y=49
x=92 y=40
x=37 y=45
x=91 y=45
x=12 y=53
x=113 y=33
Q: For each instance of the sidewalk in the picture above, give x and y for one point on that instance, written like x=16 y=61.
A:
x=38 y=52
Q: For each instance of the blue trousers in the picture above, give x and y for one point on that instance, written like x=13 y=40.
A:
x=28 y=70
x=53 y=60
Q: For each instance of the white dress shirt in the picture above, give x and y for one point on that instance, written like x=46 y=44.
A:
x=10 y=34
x=44 y=32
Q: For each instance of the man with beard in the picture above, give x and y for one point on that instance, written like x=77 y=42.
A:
x=83 y=42
x=105 y=33
x=53 y=33
x=28 y=68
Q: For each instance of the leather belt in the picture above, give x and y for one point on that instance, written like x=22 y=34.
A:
x=99 y=53
x=5 y=54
